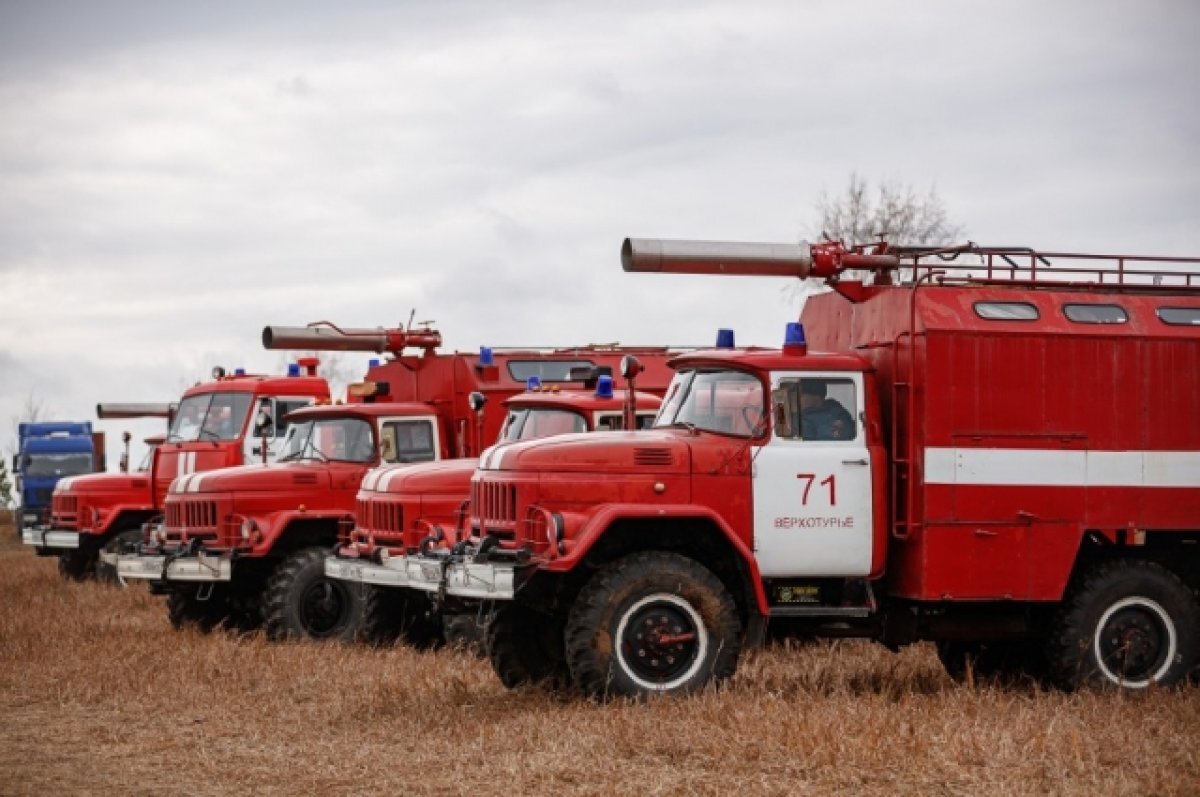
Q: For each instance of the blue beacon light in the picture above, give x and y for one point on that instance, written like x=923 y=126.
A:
x=534 y=383
x=486 y=359
x=373 y=362
x=293 y=369
x=604 y=386
x=239 y=371
x=724 y=338
x=793 y=339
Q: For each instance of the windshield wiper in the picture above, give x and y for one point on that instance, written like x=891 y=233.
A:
x=203 y=432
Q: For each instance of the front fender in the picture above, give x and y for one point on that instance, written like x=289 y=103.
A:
x=275 y=526
x=597 y=523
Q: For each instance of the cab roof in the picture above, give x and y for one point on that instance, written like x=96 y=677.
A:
x=269 y=385
x=361 y=410
x=576 y=399
x=764 y=359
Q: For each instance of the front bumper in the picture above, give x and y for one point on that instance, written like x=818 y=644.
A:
x=199 y=566
x=392 y=573
x=45 y=537
x=494 y=581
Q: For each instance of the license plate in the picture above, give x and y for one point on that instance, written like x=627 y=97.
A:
x=431 y=572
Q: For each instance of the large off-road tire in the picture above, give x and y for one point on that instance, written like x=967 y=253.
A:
x=652 y=623
x=390 y=614
x=76 y=565
x=525 y=647
x=1005 y=662
x=301 y=602
x=1127 y=623
x=118 y=543
x=185 y=609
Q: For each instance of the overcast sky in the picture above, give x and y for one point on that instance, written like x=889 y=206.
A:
x=175 y=176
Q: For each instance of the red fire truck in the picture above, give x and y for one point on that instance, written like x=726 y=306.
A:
x=210 y=429
x=1001 y=454
x=246 y=545
x=400 y=510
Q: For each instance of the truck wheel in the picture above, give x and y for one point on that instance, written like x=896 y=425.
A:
x=121 y=541
x=75 y=565
x=1008 y=662
x=393 y=614
x=186 y=610
x=301 y=602
x=652 y=623
x=526 y=647
x=1129 y=624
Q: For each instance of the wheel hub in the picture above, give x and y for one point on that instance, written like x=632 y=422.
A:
x=660 y=642
x=323 y=608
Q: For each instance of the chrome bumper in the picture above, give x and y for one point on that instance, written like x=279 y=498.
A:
x=484 y=581
x=42 y=537
x=392 y=573
x=200 y=567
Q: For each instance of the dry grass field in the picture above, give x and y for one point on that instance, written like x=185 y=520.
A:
x=99 y=696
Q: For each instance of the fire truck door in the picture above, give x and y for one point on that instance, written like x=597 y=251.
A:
x=276 y=429
x=812 y=480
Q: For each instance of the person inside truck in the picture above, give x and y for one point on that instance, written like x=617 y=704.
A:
x=822 y=418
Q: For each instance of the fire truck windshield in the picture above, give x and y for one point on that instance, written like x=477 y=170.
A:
x=722 y=401
x=58 y=464
x=344 y=439
x=530 y=424
x=210 y=416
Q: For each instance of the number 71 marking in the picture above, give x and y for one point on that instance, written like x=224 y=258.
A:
x=809 y=478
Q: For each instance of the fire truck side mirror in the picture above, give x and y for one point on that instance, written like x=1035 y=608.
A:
x=779 y=410
x=631 y=366
x=126 y=437
x=262 y=423
x=387 y=449
x=476 y=401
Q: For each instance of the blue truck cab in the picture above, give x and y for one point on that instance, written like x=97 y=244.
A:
x=50 y=451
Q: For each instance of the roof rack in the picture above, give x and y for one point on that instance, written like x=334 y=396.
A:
x=1009 y=264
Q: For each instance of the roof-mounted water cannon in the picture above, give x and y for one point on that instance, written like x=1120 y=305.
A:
x=134 y=409
x=326 y=336
x=802 y=260
x=309 y=364
x=630 y=368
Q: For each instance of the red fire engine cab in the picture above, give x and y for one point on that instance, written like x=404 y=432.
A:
x=210 y=429
x=246 y=545
x=994 y=449
x=401 y=510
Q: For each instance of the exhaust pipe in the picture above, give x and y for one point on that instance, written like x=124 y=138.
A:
x=800 y=260
x=327 y=337
x=135 y=410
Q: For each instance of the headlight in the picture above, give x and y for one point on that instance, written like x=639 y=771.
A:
x=248 y=528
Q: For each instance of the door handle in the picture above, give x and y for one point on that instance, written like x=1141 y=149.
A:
x=854 y=462
x=986 y=533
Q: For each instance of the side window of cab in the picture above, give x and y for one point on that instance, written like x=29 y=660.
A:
x=812 y=408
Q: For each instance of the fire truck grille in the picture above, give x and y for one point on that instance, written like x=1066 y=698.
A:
x=65 y=511
x=386 y=517
x=196 y=518
x=495 y=504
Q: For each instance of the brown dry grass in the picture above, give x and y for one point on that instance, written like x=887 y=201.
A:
x=98 y=695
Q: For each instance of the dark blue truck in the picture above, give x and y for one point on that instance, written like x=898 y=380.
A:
x=50 y=451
